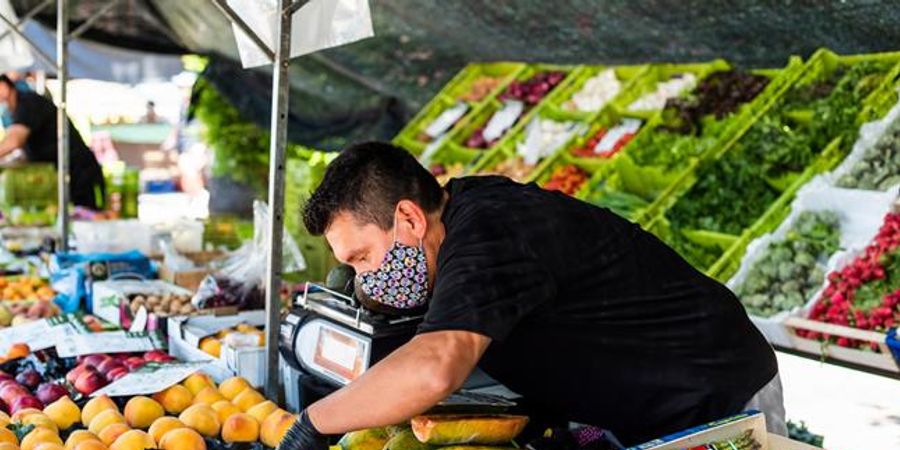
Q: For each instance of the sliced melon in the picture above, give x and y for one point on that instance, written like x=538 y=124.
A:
x=468 y=429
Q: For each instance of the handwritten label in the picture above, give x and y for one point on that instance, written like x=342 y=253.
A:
x=109 y=342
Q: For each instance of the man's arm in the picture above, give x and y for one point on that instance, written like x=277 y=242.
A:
x=407 y=382
x=16 y=136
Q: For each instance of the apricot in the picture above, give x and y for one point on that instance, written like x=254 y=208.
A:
x=164 y=425
x=104 y=419
x=95 y=406
x=247 y=399
x=91 y=445
x=197 y=382
x=141 y=411
x=49 y=446
x=6 y=435
x=79 y=436
x=174 y=399
x=262 y=410
x=22 y=413
x=224 y=409
x=207 y=396
x=112 y=432
x=201 y=418
x=133 y=440
x=233 y=386
x=37 y=436
x=64 y=412
x=273 y=429
x=182 y=439
x=8 y=446
x=240 y=428
x=40 y=420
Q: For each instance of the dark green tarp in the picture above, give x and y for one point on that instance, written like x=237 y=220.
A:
x=368 y=89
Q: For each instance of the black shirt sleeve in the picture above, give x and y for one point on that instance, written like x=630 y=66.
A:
x=29 y=113
x=487 y=282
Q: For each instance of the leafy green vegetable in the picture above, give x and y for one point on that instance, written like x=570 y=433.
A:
x=700 y=256
x=789 y=271
x=619 y=202
x=728 y=198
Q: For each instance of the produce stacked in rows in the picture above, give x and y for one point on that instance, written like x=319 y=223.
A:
x=879 y=167
x=790 y=270
x=567 y=178
x=444 y=172
x=233 y=413
x=446 y=432
x=25 y=288
x=596 y=92
x=864 y=294
x=515 y=168
x=518 y=98
x=605 y=143
x=96 y=371
x=665 y=90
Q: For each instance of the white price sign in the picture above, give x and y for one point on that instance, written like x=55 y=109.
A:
x=150 y=379
x=39 y=334
x=108 y=342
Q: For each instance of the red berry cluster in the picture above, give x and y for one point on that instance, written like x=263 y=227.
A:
x=864 y=294
x=567 y=179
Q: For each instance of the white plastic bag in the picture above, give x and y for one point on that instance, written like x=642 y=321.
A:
x=319 y=24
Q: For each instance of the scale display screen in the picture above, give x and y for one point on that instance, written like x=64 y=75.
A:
x=332 y=351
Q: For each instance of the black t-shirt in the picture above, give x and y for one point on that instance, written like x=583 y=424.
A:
x=38 y=113
x=591 y=318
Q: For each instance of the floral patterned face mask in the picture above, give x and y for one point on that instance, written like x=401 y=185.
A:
x=402 y=279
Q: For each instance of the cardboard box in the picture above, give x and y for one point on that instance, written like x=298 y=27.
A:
x=107 y=296
x=185 y=334
x=190 y=279
x=726 y=429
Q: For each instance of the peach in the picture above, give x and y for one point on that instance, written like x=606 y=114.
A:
x=233 y=386
x=164 y=425
x=64 y=412
x=104 y=419
x=197 y=382
x=38 y=436
x=207 y=396
x=201 y=418
x=247 y=399
x=112 y=432
x=273 y=429
x=78 y=437
x=240 y=428
x=95 y=406
x=224 y=409
x=174 y=399
x=141 y=411
x=182 y=439
x=133 y=440
x=262 y=410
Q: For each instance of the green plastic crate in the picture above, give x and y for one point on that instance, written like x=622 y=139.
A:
x=627 y=75
x=656 y=73
x=450 y=94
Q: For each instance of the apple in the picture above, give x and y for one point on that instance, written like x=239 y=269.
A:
x=48 y=393
x=29 y=378
x=11 y=391
x=76 y=372
x=5 y=376
x=156 y=356
x=26 y=401
x=134 y=362
x=95 y=359
x=89 y=381
x=117 y=373
x=108 y=365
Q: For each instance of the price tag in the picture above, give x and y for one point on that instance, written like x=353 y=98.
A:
x=109 y=342
x=150 y=379
x=39 y=334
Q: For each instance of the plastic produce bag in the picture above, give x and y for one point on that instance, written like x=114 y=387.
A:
x=239 y=282
x=869 y=134
x=319 y=24
x=175 y=261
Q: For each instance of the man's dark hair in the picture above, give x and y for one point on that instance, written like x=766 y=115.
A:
x=4 y=79
x=368 y=180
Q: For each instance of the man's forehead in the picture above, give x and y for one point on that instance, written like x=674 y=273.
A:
x=346 y=233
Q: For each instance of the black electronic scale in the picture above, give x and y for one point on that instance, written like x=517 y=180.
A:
x=329 y=339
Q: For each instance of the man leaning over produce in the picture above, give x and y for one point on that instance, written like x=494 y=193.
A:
x=587 y=316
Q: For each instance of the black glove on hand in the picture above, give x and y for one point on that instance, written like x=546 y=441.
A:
x=303 y=436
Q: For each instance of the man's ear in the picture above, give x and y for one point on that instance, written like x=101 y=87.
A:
x=411 y=220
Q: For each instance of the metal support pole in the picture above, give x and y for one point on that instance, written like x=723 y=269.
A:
x=28 y=16
x=62 y=122
x=87 y=24
x=13 y=28
x=278 y=140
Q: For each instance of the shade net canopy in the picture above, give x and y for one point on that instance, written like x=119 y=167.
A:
x=367 y=90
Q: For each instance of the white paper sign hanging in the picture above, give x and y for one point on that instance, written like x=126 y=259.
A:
x=14 y=51
x=317 y=25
